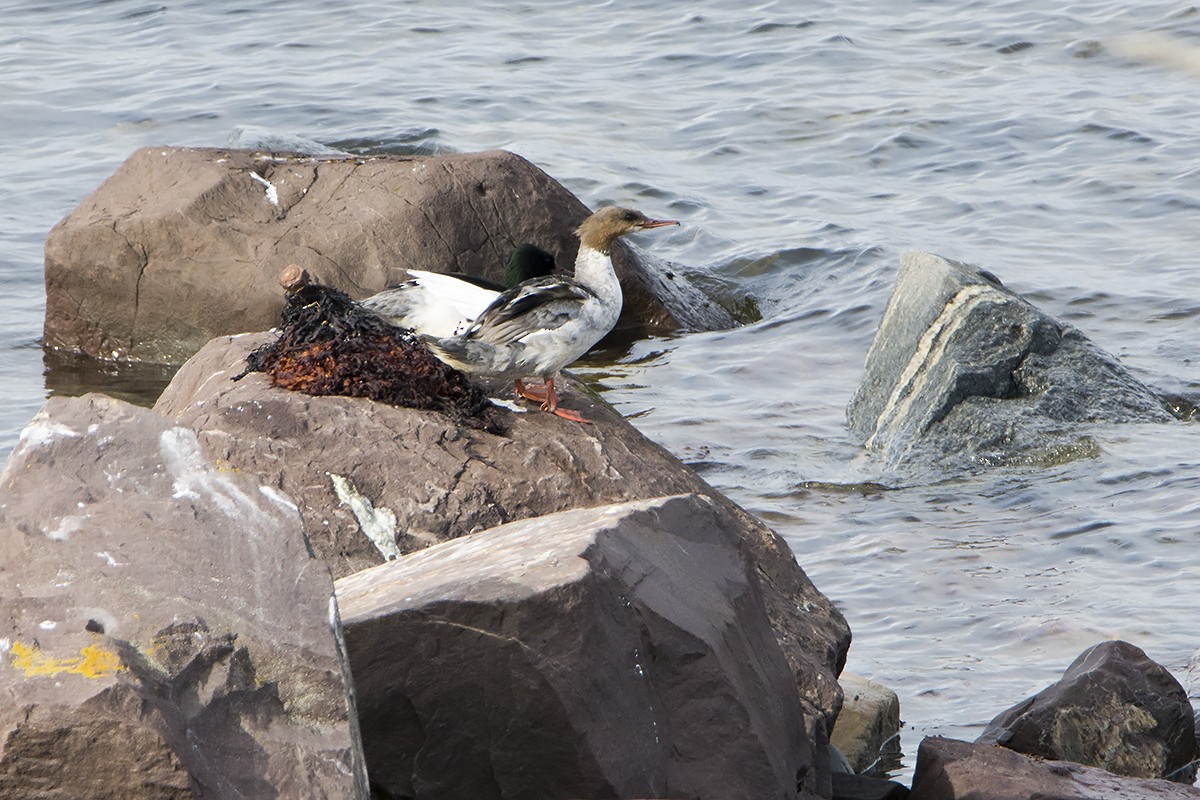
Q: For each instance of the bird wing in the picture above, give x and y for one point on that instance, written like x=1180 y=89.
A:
x=535 y=305
x=466 y=297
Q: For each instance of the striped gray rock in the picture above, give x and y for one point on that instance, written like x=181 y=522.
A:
x=963 y=370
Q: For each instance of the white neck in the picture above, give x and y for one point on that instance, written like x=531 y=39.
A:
x=594 y=270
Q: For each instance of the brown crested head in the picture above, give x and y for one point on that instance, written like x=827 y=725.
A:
x=607 y=225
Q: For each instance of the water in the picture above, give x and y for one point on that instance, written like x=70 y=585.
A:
x=804 y=148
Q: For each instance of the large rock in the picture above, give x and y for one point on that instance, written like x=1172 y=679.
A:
x=1114 y=708
x=964 y=371
x=166 y=631
x=620 y=651
x=374 y=481
x=952 y=770
x=182 y=244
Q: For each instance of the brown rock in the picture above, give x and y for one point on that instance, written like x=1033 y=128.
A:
x=166 y=632
x=848 y=786
x=1114 y=708
x=360 y=469
x=870 y=717
x=182 y=244
x=951 y=770
x=619 y=651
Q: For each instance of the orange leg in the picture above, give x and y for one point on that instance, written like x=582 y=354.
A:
x=551 y=404
x=535 y=393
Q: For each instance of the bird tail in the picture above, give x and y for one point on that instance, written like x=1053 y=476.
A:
x=462 y=354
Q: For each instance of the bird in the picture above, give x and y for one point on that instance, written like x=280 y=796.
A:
x=441 y=304
x=543 y=324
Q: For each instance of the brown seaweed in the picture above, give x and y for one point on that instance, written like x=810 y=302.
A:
x=329 y=345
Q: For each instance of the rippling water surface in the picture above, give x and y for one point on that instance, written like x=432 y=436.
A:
x=804 y=147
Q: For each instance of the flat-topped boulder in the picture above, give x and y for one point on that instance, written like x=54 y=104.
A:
x=183 y=244
x=374 y=481
x=618 y=651
x=166 y=631
x=964 y=372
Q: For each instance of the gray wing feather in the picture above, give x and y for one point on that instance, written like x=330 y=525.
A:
x=538 y=304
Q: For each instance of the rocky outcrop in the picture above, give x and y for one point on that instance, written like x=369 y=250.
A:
x=373 y=482
x=1114 y=708
x=619 y=651
x=183 y=244
x=964 y=372
x=953 y=770
x=869 y=719
x=166 y=631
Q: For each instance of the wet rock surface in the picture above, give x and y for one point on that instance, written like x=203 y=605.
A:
x=619 y=651
x=964 y=372
x=374 y=482
x=166 y=631
x=183 y=244
x=1114 y=708
x=952 y=770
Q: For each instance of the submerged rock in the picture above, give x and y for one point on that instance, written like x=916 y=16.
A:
x=964 y=371
x=183 y=244
x=166 y=631
x=1115 y=709
x=952 y=770
x=619 y=651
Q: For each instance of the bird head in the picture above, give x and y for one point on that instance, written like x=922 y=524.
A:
x=607 y=225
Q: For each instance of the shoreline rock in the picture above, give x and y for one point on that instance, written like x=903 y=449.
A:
x=952 y=770
x=869 y=719
x=166 y=628
x=617 y=651
x=414 y=478
x=183 y=244
x=963 y=372
x=1114 y=709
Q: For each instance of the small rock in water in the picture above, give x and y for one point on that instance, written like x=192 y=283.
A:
x=1115 y=709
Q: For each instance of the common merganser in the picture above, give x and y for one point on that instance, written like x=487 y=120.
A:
x=542 y=325
x=438 y=304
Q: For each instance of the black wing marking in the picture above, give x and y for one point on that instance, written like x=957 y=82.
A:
x=527 y=306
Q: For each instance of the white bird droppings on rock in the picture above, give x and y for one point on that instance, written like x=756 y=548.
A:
x=279 y=498
x=66 y=526
x=41 y=432
x=272 y=192
x=379 y=524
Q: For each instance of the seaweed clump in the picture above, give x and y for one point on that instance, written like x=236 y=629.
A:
x=329 y=345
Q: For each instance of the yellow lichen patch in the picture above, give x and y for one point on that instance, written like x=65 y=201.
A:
x=93 y=661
